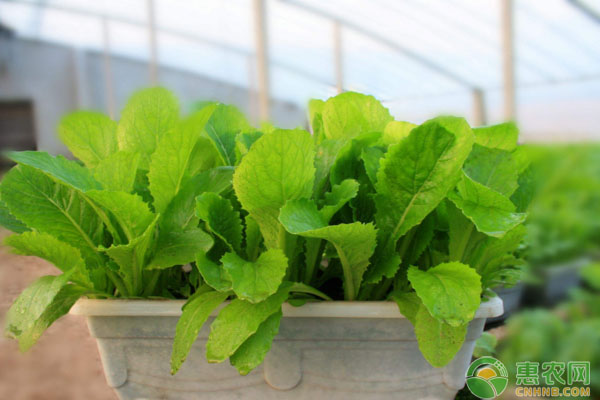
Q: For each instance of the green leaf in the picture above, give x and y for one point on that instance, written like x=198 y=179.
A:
x=315 y=115
x=91 y=136
x=64 y=256
x=523 y=158
x=267 y=127
x=395 y=131
x=245 y=140
x=9 y=221
x=129 y=210
x=417 y=173
x=238 y=321
x=278 y=167
x=415 y=176
x=118 y=171
x=195 y=313
x=66 y=171
x=49 y=207
x=348 y=164
x=140 y=186
x=488 y=259
x=131 y=258
x=421 y=240
x=408 y=304
x=485 y=345
x=349 y=114
x=181 y=211
x=180 y=247
x=326 y=154
x=353 y=242
x=199 y=105
x=147 y=117
x=491 y=212
x=385 y=268
x=255 y=281
x=299 y=216
x=450 y=291
x=225 y=123
x=213 y=274
x=221 y=219
x=170 y=161
x=502 y=136
x=253 y=238
x=438 y=341
x=528 y=186
x=30 y=305
x=253 y=351
x=338 y=197
x=493 y=168
x=371 y=157
x=60 y=305
x=493 y=248
x=204 y=157
x=460 y=233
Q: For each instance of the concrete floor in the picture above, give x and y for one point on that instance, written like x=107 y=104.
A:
x=64 y=364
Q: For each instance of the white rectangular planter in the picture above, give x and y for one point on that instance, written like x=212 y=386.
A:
x=325 y=350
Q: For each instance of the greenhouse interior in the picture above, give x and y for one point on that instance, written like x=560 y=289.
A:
x=292 y=199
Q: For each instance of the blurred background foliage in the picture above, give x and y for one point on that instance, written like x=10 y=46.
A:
x=564 y=218
x=569 y=332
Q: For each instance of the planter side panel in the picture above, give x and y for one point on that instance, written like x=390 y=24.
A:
x=339 y=358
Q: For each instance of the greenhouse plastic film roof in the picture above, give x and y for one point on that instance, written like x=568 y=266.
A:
x=419 y=56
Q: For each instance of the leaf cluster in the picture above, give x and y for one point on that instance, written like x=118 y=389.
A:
x=365 y=208
x=120 y=221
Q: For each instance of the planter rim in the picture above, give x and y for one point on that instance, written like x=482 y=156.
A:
x=322 y=309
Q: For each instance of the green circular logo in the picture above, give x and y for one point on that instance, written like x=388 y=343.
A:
x=487 y=378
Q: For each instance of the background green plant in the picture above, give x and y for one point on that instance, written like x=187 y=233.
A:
x=563 y=222
x=570 y=332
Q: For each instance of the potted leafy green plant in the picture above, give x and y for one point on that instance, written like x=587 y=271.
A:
x=299 y=252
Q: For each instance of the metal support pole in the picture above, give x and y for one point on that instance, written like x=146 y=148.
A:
x=79 y=78
x=338 y=56
x=109 y=93
x=183 y=34
x=262 y=58
x=252 y=93
x=153 y=61
x=386 y=41
x=586 y=9
x=508 y=59
x=479 y=114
